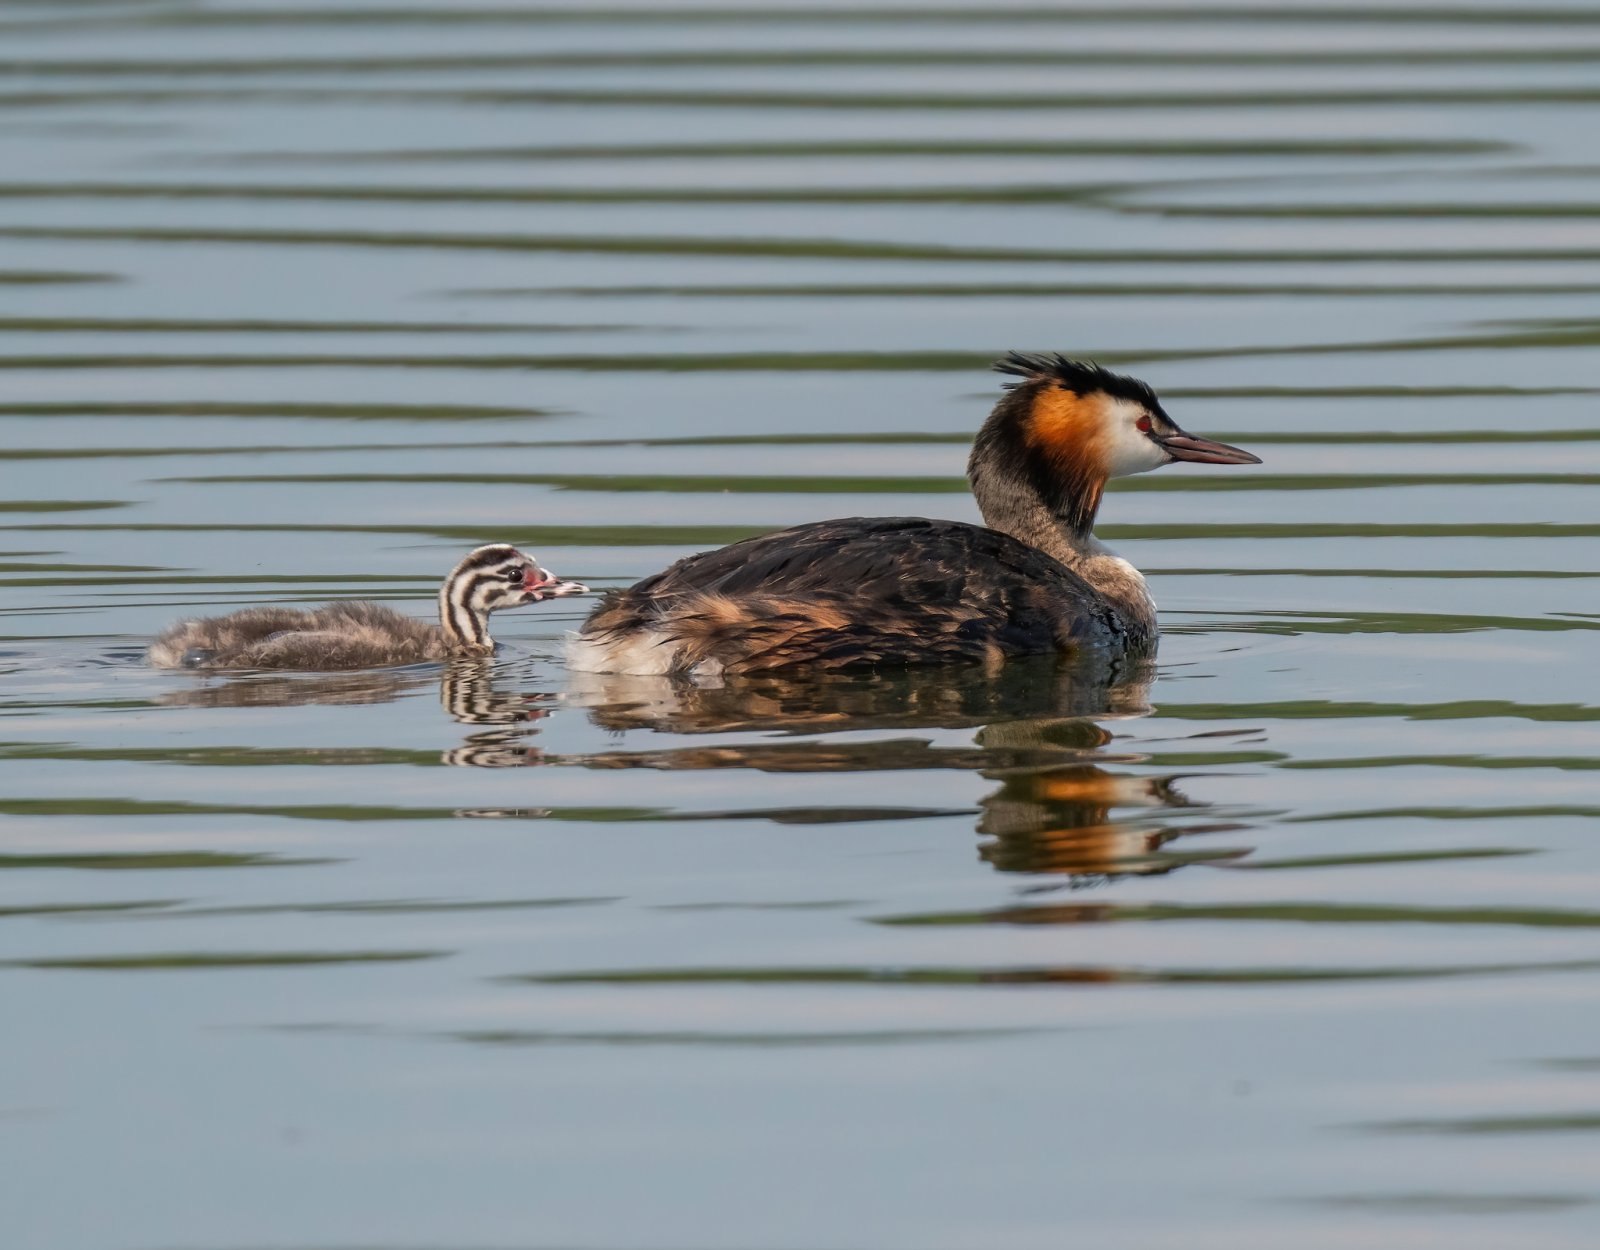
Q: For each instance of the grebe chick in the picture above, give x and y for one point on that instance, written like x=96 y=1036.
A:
x=905 y=590
x=358 y=634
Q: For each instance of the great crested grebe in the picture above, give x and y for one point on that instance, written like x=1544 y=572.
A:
x=865 y=591
x=358 y=634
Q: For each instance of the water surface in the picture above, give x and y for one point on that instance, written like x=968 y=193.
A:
x=1290 y=938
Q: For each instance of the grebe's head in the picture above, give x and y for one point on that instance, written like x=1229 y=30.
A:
x=1094 y=424
x=499 y=576
x=491 y=578
x=1042 y=459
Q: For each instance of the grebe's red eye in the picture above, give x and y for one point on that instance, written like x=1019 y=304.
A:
x=1143 y=423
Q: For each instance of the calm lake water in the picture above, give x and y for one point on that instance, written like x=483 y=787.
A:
x=1291 y=939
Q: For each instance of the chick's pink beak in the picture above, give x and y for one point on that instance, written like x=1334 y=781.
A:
x=543 y=584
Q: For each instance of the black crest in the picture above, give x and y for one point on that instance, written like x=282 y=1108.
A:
x=1081 y=377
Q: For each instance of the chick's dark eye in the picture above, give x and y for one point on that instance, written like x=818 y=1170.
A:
x=514 y=575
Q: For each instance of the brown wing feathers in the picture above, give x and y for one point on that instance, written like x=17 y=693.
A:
x=856 y=592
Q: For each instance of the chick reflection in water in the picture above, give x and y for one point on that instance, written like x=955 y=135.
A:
x=300 y=690
x=1038 y=736
x=471 y=695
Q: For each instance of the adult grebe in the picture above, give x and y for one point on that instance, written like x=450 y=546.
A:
x=864 y=591
x=357 y=634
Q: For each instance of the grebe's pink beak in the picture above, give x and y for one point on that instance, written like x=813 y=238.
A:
x=543 y=584
x=1181 y=446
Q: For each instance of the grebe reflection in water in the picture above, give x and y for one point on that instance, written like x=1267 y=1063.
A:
x=1041 y=734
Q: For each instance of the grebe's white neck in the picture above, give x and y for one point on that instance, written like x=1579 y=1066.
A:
x=1038 y=469
x=1040 y=464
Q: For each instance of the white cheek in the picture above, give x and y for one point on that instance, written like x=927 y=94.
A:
x=1130 y=449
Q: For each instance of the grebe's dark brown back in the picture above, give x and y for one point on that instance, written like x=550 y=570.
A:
x=865 y=591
